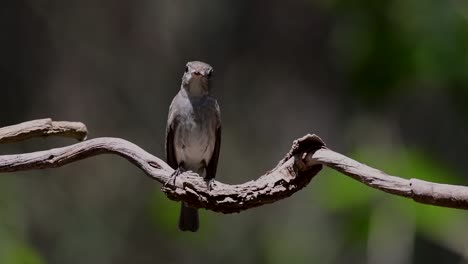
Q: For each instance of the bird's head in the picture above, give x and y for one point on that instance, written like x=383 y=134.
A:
x=196 y=78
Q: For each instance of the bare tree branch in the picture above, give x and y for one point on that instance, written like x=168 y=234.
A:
x=293 y=172
x=445 y=195
x=42 y=128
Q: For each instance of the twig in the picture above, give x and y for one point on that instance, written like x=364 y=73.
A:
x=42 y=128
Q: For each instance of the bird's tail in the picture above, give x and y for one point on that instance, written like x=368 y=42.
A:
x=188 y=218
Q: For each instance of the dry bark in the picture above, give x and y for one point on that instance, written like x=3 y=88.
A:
x=42 y=128
x=305 y=159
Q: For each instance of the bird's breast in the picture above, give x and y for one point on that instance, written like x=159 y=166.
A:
x=195 y=137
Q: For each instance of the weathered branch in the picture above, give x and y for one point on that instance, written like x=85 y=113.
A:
x=42 y=128
x=293 y=172
x=445 y=195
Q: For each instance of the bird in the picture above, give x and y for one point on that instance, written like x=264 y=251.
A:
x=193 y=133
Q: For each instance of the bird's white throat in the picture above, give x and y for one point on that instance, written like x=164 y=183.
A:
x=197 y=87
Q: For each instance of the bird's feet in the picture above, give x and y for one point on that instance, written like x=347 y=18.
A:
x=173 y=176
x=210 y=183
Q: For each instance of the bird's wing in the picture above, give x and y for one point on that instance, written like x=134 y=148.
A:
x=213 y=164
x=170 y=151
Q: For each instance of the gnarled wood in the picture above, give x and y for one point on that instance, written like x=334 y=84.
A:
x=293 y=172
x=42 y=128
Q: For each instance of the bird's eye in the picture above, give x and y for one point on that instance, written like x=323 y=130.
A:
x=186 y=68
x=210 y=73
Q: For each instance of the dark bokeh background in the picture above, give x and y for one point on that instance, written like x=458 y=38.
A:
x=385 y=82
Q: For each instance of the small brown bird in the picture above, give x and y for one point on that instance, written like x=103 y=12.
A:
x=193 y=133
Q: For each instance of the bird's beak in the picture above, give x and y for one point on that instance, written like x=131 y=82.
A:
x=197 y=74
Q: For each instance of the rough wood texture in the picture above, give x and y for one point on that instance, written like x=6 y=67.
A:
x=445 y=195
x=42 y=128
x=292 y=173
x=288 y=177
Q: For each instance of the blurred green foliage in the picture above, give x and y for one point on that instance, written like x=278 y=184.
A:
x=390 y=46
x=20 y=254
x=345 y=196
x=14 y=247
